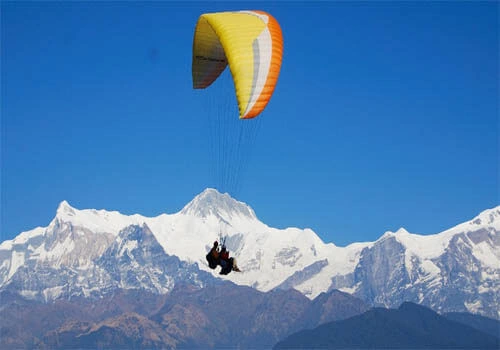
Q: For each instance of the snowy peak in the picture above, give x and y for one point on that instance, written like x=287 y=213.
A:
x=490 y=217
x=401 y=232
x=136 y=260
x=135 y=241
x=93 y=219
x=212 y=202
x=64 y=209
x=432 y=246
x=136 y=237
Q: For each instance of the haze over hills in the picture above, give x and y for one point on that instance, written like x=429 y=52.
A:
x=96 y=252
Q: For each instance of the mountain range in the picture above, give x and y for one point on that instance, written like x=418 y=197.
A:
x=94 y=253
x=231 y=316
x=222 y=315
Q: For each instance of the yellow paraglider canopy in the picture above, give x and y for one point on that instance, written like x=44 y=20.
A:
x=251 y=43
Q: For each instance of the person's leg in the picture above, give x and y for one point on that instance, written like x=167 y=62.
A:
x=235 y=266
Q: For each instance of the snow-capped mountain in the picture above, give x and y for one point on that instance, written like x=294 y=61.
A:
x=89 y=252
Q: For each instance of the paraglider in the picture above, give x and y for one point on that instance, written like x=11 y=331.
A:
x=216 y=257
x=251 y=44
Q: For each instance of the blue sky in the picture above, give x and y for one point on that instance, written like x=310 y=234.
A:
x=385 y=114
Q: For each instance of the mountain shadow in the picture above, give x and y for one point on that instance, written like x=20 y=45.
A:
x=409 y=327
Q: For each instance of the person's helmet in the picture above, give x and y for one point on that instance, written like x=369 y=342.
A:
x=216 y=243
